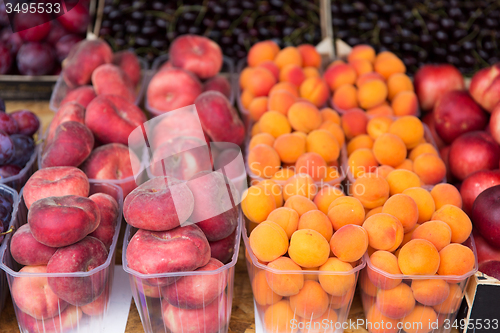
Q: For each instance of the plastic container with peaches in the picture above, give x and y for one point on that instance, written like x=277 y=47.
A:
x=227 y=71
x=412 y=303
x=167 y=302
x=61 y=88
x=50 y=313
x=317 y=301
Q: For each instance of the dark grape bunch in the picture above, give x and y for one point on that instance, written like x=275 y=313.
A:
x=149 y=26
x=460 y=32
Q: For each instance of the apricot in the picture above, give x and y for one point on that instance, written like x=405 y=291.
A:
x=262 y=51
x=349 y=243
x=436 y=232
x=366 y=285
x=345 y=97
x=308 y=248
x=446 y=194
x=430 y=292
x=262 y=293
x=358 y=142
x=311 y=164
x=272 y=188
x=281 y=101
x=257 y=107
x=274 y=123
x=287 y=86
x=406 y=165
x=304 y=116
x=372 y=94
x=378 y=323
x=300 y=184
x=329 y=114
x=371 y=190
x=336 y=131
x=385 y=232
x=389 y=149
x=260 y=81
x=316 y=220
x=336 y=284
x=418 y=257
x=382 y=110
x=315 y=90
x=283 y=174
x=424 y=202
x=397 y=302
x=317 y=325
x=324 y=144
x=397 y=83
x=338 y=75
x=255 y=129
x=361 y=161
x=373 y=211
x=405 y=103
x=404 y=208
x=378 y=126
x=325 y=196
x=244 y=77
x=430 y=168
x=401 y=179
x=300 y=204
x=278 y=318
x=422 y=148
x=421 y=320
x=246 y=98
x=285 y=217
x=346 y=210
x=452 y=302
x=311 y=72
x=367 y=77
x=409 y=129
x=261 y=138
x=257 y=204
x=457 y=220
x=362 y=66
x=263 y=161
x=271 y=66
x=292 y=73
x=354 y=123
x=268 y=241
x=388 y=263
x=362 y=52
x=311 y=302
x=288 y=55
x=387 y=64
x=332 y=173
x=290 y=147
x=383 y=171
x=456 y=259
x=284 y=284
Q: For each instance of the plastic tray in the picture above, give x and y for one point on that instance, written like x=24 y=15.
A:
x=339 y=305
x=101 y=274
x=149 y=303
x=446 y=311
x=61 y=89
x=227 y=70
x=7 y=191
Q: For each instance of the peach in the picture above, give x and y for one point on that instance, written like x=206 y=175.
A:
x=372 y=94
x=311 y=302
x=336 y=284
x=335 y=129
x=338 y=75
x=262 y=51
x=396 y=303
x=385 y=232
x=358 y=142
x=367 y=77
x=26 y=250
x=278 y=318
x=218 y=83
x=401 y=179
x=323 y=143
x=82 y=256
x=457 y=220
x=388 y=263
x=390 y=150
x=345 y=97
x=67 y=320
x=292 y=73
x=456 y=259
x=349 y=243
x=270 y=66
x=288 y=55
x=362 y=52
x=299 y=184
x=310 y=57
x=362 y=161
x=409 y=129
x=109 y=79
x=129 y=63
x=430 y=168
x=304 y=116
x=424 y=202
x=308 y=248
x=318 y=221
x=274 y=123
x=223 y=249
x=397 y=83
x=430 y=292
x=287 y=86
x=262 y=293
x=404 y=208
x=261 y=138
x=312 y=164
x=326 y=195
x=290 y=147
x=387 y=64
x=345 y=210
x=484 y=86
x=285 y=217
x=281 y=101
x=331 y=115
x=354 y=123
x=422 y=320
x=70 y=111
x=82 y=95
x=109 y=211
x=418 y=257
x=300 y=204
x=452 y=302
x=98 y=306
x=315 y=90
x=284 y=284
x=371 y=190
x=268 y=241
x=446 y=194
x=55 y=181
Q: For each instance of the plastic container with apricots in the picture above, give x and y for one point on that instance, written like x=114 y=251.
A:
x=53 y=314
x=301 y=300
x=412 y=303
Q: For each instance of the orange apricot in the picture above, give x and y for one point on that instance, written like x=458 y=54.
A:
x=245 y=77
x=430 y=168
x=345 y=210
x=397 y=302
x=287 y=86
x=336 y=284
x=374 y=211
x=292 y=73
x=263 y=161
x=389 y=149
x=246 y=98
x=362 y=66
x=335 y=129
x=459 y=222
x=384 y=170
x=290 y=147
x=324 y=144
x=372 y=94
x=401 y=179
x=257 y=107
x=358 y=142
x=270 y=187
x=446 y=194
x=271 y=66
x=338 y=75
x=317 y=325
x=367 y=77
x=285 y=217
x=300 y=204
x=345 y=97
x=406 y=165
x=311 y=72
x=354 y=123
x=380 y=110
x=387 y=263
x=308 y=248
x=278 y=318
x=436 y=232
x=255 y=129
x=409 y=129
x=421 y=320
x=311 y=302
x=387 y=64
x=283 y=174
x=274 y=123
x=362 y=52
x=405 y=103
x=288 y=55
x=376 y=322
x=268 y=241
x=315 y=90
x=418 y=257
x=311 y=164
x=332 y=173
x=456 y=259
x=304 y=117
x=404 y=208
x=397 y=83
x=260 y=81
x=329 y=114
x=281 y=101
x=257 y=204
x=371 y=190
x=300 y=184
x=262 y=51
x=422 y=148
x=378 y=125
x=430 y=292
x=349 y=243
x=261 y=138
x=366 y=285
x=262 y=294
x=326 y=195
x=284 y=284
x=316 y=220
x=424 y=202
x=361 y=161
x=385 y=232
x=452 y=302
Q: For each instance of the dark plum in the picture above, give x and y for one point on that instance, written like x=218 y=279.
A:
x=9 y=170
x=35 y=59
x=76 y=20
x=24 y=147
x=8 y=124
x=57 y=31
x=6 y=147
x=5 y=58
x=32 y=27
x=64 y=45
x=27 y=122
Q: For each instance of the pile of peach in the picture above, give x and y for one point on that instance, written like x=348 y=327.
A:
x=376 y=83
x=304 y=140
x=276 y=79
x=393 y=148
x=295 y=229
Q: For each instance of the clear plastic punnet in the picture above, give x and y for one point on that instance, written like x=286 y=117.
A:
x=412 y=303
x=280 y=307
x=226 y=71
x=170 y=302
x=40 y=310
x=6 y=191
x=61 y=89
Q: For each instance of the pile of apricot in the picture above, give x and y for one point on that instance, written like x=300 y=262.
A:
x=373 y=82
x=394 y=148
x=276 y=79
